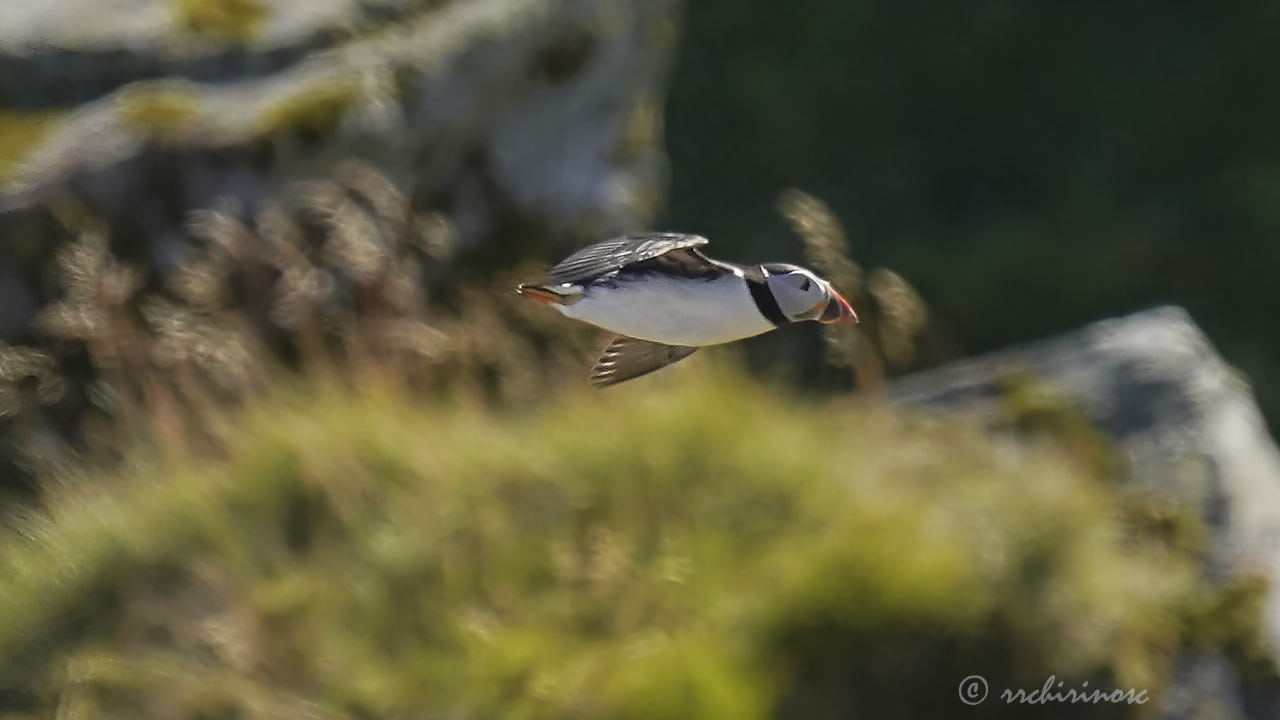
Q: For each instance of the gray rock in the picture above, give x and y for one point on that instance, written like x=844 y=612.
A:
x=1204 y=687
x=1186 y=427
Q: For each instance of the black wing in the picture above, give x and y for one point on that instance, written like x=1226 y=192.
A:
x=628 y=357
x=593 y=261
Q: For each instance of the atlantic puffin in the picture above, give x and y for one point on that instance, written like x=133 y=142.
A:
x=665 y=299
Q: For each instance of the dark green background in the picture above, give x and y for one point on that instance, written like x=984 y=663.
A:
x=1029 y=166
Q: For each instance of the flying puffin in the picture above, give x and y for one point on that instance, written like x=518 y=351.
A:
x=665 y=299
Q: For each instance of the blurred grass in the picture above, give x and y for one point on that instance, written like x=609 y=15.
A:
x=697 y=546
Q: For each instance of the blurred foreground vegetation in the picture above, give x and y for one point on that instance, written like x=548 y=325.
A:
x=699 y=546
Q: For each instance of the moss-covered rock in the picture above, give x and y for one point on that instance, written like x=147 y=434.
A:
x=314 y=109
x=236 y=21
x=19 y=134
x=160 y=112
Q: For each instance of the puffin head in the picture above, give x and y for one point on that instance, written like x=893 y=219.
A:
x=802 y=295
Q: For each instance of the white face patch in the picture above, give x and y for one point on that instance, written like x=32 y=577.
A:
x=798 y=292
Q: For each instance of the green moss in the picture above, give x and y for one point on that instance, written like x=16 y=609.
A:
x=229 y=20
x=19 y=134
x=692 y=548
x=1162 y=520
x=160 y=112
x=1031 y=409
x=1227 y=620
x=315 y=109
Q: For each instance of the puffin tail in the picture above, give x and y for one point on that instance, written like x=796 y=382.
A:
x=562 y=295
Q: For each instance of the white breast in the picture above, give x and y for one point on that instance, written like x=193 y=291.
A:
x=673 y=310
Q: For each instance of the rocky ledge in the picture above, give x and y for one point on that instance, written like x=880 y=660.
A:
x=1186 y=429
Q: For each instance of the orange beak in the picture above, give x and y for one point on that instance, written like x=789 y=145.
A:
x=838 y=311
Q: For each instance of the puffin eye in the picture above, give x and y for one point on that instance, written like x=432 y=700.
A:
x=804 y=286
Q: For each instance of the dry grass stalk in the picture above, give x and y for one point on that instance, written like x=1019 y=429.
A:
x=893 y=314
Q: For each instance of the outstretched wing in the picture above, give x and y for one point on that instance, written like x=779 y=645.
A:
x=628 y=357
x=593 y=261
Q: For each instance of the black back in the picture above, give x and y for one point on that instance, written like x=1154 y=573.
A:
x=605 y=257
